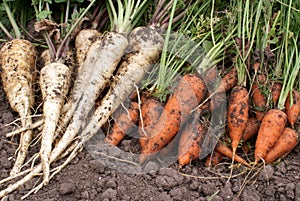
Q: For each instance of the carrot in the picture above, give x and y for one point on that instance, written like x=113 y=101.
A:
x=276 y=90
x=226 y=151
x=256 y=67
x=187 y=95
x=18 y=70
x=237 y=115
x=259 y=99
x=229 y=81
x=285 y=144
x=123 y=122
x=270 y=129
x=251 y=129
x=189 y=143
x=151 y=110
x=210 y=76
x=55 y=82
x=292 y=108
x=213 y=159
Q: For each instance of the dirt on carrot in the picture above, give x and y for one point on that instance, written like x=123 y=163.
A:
x=286 y=143
x=276 y=90
x=251 y=129
x=151 y=110
x=229 y=81
x=292 y=108
x=187 y=95
x=123 y=122
x=270 y=129
x=258 y=97
x=190 y=140
x=237 y=115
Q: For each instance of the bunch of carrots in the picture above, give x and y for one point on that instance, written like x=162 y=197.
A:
x=88 y=90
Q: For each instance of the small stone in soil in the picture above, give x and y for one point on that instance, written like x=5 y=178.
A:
x=167 y=183
x=66 y=188
x=178 y=193
x=111 y=184
x=109 y=193
x=266 y=174
x=151 y=167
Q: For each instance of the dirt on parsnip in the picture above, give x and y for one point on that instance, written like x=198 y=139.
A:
x=85 y=178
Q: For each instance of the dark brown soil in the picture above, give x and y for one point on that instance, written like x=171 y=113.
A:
x=85 y=178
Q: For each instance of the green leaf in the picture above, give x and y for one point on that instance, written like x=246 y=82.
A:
x=43 y=14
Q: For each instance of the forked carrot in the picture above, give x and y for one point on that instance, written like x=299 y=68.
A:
x=270 y=129
x=237 y=115
x=286 y=142
x=187 y=95
x=123 y=122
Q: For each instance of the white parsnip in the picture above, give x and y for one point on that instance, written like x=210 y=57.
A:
x=55 y=82
x=83 y=41
x=18 y=73
x=146 y=44
x=102 y=59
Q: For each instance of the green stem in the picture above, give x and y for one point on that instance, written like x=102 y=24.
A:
x=163 y=67
x=211 y=22
x=12 y=20
x=60 y=48
x=6 y=31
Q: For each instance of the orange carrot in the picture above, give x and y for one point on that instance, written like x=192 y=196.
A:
x=293 y=111
x=270 y=129
x=259 y=99
x=187 y=95
x=276 y=89
x=256 y=66
x=228 y=81
x=151 y=111
x=213 y=159
x=123 y=122
x=237 y=115
x=189 y=143
x=286 y=143
x=251 y=129
x=226 y=151
x=210 y=76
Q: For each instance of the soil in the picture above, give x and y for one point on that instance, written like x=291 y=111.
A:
x=85 y=178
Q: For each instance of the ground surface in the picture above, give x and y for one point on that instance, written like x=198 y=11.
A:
x=87 y=179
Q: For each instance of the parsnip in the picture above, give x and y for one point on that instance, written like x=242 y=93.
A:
x=147 y=44
x=55 y=83
x=18 y=74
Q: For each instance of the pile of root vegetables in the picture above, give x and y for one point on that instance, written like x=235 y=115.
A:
x=102 y=83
